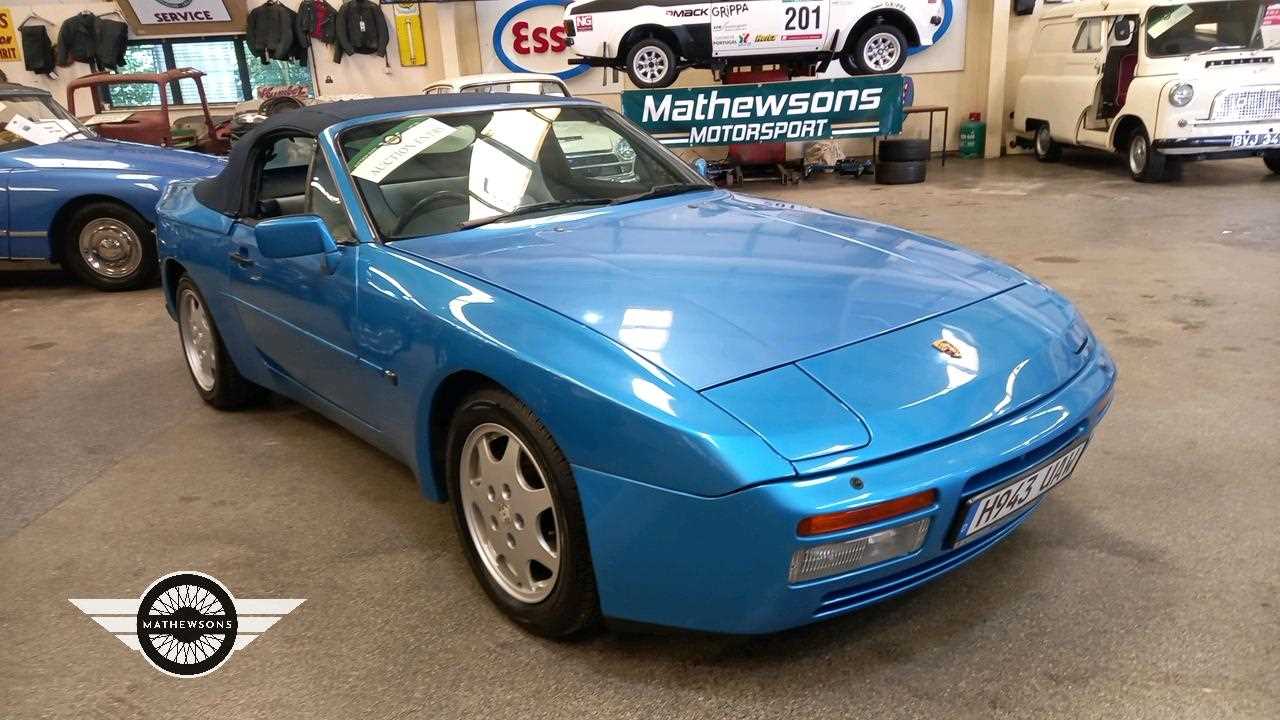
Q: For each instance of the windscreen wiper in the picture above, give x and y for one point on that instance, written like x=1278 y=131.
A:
x=535 y=207
x=658 y=191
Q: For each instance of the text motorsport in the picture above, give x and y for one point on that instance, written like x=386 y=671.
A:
x=769 y=112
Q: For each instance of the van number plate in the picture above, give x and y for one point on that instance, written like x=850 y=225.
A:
x=1252 y=140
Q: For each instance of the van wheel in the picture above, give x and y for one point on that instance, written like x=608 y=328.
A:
x=110 y=247
x=651 y=63
x=1272 y=159
x=1145 y=163
x=880 y=50
x=1046 y=149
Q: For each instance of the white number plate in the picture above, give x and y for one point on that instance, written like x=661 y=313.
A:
x=1000 y=503
x=1250 y=140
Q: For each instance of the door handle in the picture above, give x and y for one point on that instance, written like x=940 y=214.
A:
x=240 y=259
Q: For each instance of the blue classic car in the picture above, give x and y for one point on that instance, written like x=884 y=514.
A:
x=646 y=399
x=76 y=199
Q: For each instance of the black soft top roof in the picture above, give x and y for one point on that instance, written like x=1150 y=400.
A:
x=225 y=192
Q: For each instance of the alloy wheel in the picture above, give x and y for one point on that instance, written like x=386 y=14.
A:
x=650 y=64
x=510 y=513
x=197 y=339
x=881 y=52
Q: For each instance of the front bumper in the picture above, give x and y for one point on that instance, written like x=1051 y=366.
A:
x=720 y=564
x=1214 y=147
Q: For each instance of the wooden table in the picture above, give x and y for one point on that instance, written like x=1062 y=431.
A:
x=931 y=110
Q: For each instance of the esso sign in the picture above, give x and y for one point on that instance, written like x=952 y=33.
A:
x=530 y=37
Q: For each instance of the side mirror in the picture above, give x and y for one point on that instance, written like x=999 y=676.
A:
x=700 y=166
x=294 y=236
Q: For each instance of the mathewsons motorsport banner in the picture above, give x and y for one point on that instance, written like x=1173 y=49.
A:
x=790 y=111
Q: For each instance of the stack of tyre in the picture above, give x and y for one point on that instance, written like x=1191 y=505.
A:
x=902 y=161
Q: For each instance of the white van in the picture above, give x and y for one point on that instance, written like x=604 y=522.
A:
x=1158 y=80
x=653 y=40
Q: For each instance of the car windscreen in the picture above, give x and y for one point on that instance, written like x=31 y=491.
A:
x=27 y=120
x=1201 y=27
x=540 y=87
x=429 y=175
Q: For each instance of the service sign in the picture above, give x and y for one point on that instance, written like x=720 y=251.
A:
x=863 y=106
x=178 y=12
x=10 y=44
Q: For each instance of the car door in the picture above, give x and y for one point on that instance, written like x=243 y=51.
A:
x=1081 y=73
x=300 y=311
x=769 y=27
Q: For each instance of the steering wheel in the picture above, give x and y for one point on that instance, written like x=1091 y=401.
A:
x=425 y=203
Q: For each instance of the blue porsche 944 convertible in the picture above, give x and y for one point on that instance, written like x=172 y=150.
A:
x=646 y=398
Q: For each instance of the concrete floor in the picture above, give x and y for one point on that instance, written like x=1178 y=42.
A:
x=1145 y=587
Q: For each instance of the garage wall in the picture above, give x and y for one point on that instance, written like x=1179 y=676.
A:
x=355 y=74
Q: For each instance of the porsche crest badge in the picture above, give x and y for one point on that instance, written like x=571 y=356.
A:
x=946 y=348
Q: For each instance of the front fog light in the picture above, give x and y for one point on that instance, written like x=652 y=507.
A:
x=1181 y=94
x=840 y=557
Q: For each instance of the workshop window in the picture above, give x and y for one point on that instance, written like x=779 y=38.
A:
x=232 y=74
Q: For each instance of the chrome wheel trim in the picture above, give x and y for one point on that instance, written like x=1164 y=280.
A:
x=197 y=339
x=110 y=248
x=881 y=51
x=1137 y=154
x=510 y=513
x=650 y=64
x=1044 y=141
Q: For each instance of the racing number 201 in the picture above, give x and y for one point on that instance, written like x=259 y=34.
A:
x=803 y=17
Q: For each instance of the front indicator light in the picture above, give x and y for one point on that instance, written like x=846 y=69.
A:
x=835 y=558
x=845 y=519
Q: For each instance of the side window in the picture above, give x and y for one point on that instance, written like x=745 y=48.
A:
x=1089 y=37
x=323 y=200
x=282 y=183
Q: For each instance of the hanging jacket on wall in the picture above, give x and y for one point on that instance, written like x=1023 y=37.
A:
x=315 y=20
x=111 y=40
x=270 y=34
x=361 y=29
x=76 y=39
x=37 y=49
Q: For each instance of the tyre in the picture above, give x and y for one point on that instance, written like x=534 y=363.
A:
x=518 y=516
x=1046 y=149
x=849 y=63
x=904 y=150
x=900 y=173
x=1272 y=160
x=110 y=247
x=651 y=63
x=880 y=50
x=215 y=376
x=1145 y=163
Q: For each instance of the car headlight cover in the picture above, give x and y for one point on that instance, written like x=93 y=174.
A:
x=624 y=151
x=1181 y=94
x=816 y=561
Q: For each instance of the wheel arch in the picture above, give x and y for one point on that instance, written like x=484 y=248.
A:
x=894 y=18
x=1034 y=124
x=440 y=408
x=62 y=217
x=1124 y=128
x=171 y=271
x=640 y=32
